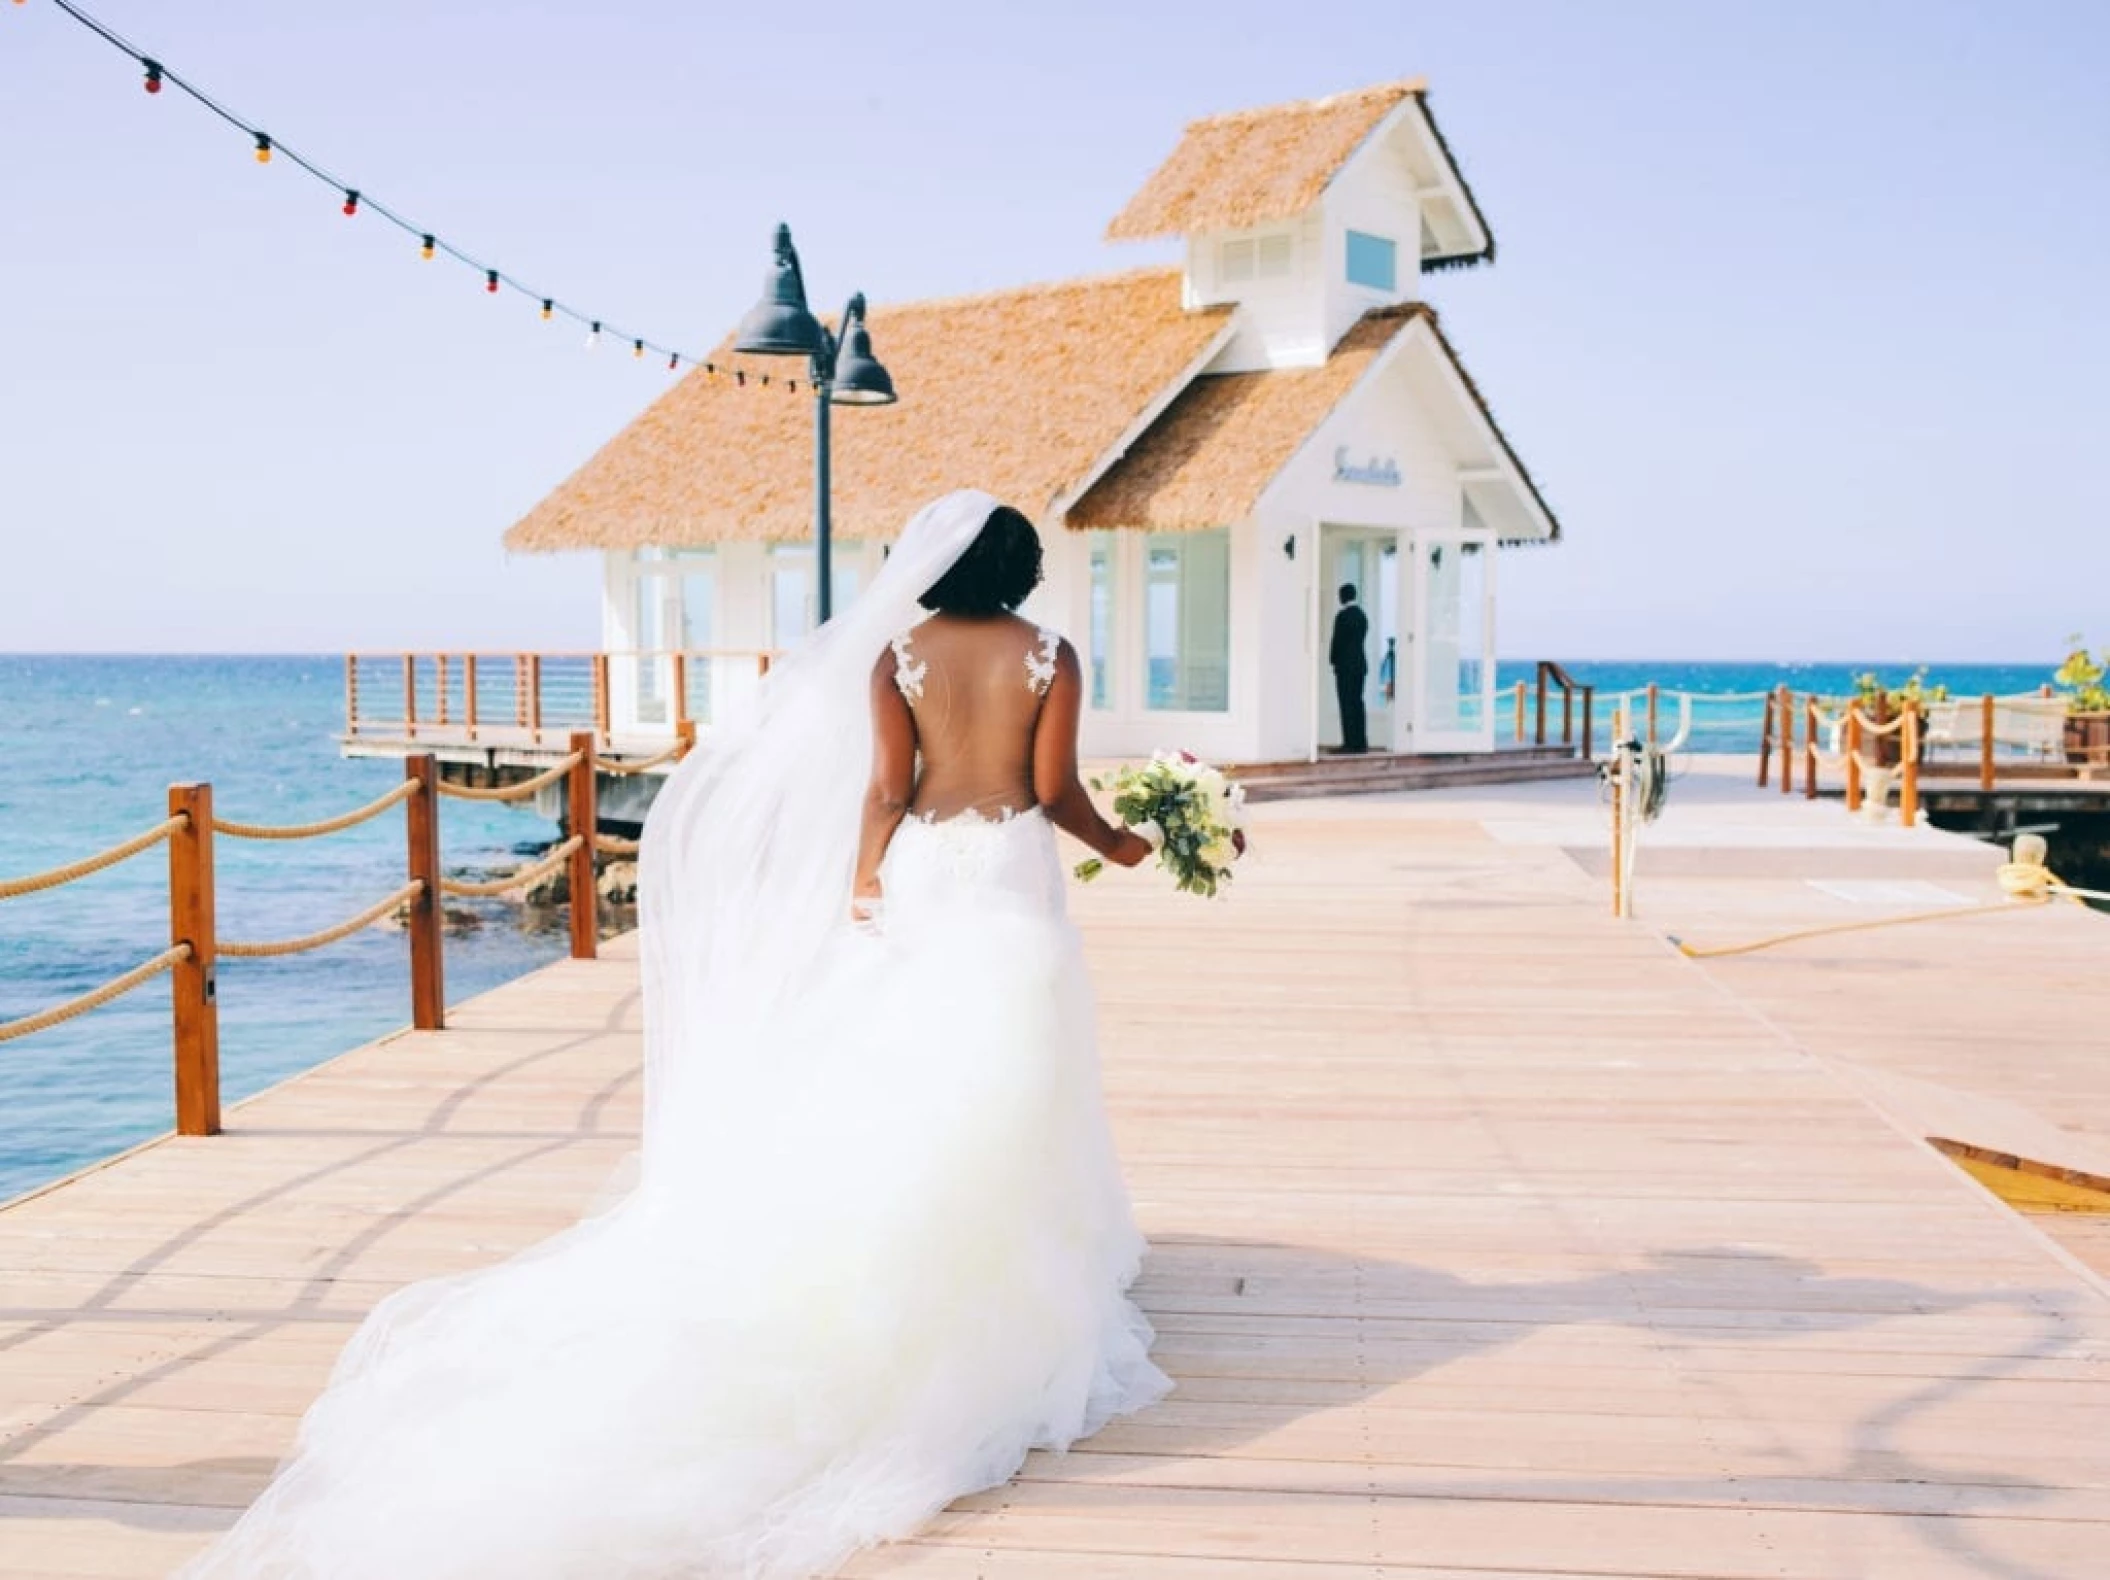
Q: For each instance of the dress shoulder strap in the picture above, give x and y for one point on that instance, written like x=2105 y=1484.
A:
x=1040 y=662
x=908 y=670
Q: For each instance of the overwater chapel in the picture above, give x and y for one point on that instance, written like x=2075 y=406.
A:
x=1210 y=450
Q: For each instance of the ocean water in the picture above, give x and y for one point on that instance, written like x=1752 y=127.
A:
x=89 y=746
x=1733 y=726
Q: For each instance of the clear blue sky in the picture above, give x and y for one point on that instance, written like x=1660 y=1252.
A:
x=1800 y=316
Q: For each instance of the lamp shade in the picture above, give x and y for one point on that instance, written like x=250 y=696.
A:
x=779 y=324
x=859 y=379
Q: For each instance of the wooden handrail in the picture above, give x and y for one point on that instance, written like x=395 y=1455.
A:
x=1551 y=673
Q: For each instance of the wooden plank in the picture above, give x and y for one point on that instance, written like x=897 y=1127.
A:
x=1491 y=1237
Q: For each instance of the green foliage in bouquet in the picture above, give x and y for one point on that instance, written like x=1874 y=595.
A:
x=1193 y=805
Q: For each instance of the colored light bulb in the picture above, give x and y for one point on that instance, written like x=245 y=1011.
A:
x=263 y=149
x=548 y=307
x=491 y=281
x=153 y=82
x=351 y=204
x=426 y=248
x=637 y=349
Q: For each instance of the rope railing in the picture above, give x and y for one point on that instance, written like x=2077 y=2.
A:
x=37 y=882
x=524 y=878
x=2026 y=882
x=194 y=955
x=610 y=845
x=95 y=998
x=520 y=791
x=328 y=825
x=609 y=765
x=238 y=949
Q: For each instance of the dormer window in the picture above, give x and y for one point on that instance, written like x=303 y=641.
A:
x=1372 y=261
x=1254 y=258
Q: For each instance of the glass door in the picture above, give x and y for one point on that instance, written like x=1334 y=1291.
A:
x=1368 y=561
x=1454 y=624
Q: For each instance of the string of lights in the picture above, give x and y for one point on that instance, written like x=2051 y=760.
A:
x=431 y=242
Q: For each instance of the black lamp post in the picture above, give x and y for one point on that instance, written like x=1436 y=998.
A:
x=844 y=372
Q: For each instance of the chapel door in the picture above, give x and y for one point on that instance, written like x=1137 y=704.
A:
x=1367 y=560
x=1453 y=671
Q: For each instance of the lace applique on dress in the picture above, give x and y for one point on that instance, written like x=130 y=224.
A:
x=1040 y=663
x=908 y=672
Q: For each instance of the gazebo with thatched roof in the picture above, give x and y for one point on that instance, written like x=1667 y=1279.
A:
x=1211 y=449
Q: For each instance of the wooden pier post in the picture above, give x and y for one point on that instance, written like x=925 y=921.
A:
x=1765 y=743
x=410 y=696
x=584 y=819
x=685 y=733
x=193 y=989
x=439 y=685
x=1542 y=706
x=351 y=693
x=428 y=992
x=1985 y=744
x=1653 y=696
x=1589 y=711
x=1520 y=712
x=1809 y=747
x=1853 y=757
x=1787 y=740
x=534 y=680
x=1909 y=766
x=469 y=691
x=680 y=686
x=600 y=695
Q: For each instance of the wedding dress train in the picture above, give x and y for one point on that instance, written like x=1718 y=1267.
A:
x=878 y=1249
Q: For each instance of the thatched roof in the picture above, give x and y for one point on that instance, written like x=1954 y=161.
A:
x=1023 y=393
x=1216 y=447
x=1253 y=167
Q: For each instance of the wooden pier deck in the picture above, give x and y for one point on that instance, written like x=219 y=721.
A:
x=1493 y=1238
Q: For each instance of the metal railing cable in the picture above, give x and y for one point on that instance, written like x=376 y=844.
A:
x=36 y=882
x=94 y=998
x=328 y=825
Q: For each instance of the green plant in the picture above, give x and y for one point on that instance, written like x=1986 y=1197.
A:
x=1871 y=691
x=2081 y=678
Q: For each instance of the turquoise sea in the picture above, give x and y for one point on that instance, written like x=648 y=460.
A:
x=88 y=747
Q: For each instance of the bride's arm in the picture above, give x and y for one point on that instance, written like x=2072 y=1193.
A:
x=893 y=780
x=1055 y=783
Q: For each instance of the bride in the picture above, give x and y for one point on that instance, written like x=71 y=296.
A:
x=877 y=1247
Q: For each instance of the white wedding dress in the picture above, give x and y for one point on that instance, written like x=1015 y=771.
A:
x=878 y=1247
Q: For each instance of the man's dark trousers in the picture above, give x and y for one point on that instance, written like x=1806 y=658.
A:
x=1355 y=721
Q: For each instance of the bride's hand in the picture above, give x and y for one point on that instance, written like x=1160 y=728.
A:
x=866 y=902
x=1135 y=847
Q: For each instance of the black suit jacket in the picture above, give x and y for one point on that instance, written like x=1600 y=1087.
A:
x=1351 y=629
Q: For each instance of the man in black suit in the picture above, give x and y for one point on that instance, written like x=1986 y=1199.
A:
x=1351 y=667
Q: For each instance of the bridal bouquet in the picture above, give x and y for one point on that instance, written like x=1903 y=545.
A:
x=1194 y=815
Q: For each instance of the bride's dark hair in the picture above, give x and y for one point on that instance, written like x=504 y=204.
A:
x=996 y=573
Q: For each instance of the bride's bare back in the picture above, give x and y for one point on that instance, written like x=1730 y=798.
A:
x=977 y=715
x=975 y=689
